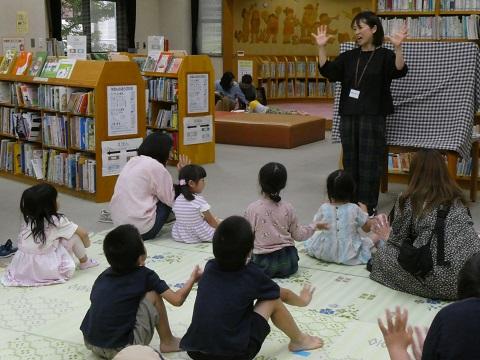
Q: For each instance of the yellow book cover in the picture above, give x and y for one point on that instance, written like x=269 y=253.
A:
x=17 y=159
x=8 y=61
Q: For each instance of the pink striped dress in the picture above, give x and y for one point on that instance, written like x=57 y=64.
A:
x=190 y=226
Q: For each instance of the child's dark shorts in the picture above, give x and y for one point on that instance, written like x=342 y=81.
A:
x=278 y=264
x=258 y=332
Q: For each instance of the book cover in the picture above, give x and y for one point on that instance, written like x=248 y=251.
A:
x=17 y=158
x=65 y=68
x=8 y=61
x=51 y=67
x=175 y=65
x=37 y=63
x=22 y=63
x=150 y=64
x=163 y=62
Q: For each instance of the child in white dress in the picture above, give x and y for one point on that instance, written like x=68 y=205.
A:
x=194 y=221
x=345 y=241
x=45 y=243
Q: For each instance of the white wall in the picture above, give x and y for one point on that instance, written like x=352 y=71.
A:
x=37 y=19
x=175 y=23
x=147 y=22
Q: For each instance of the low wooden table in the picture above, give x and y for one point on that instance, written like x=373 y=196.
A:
x=268 y=130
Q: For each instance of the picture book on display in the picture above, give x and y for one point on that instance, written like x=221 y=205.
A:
x=37 y=63
x=50 y=68
x=65 y=68
x=8 y=61
x=150 y=63
x=164 y=62
x=22 y=63
x=174 y=66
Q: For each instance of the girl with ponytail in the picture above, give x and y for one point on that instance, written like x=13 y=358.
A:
x=194 y=221
x=275 y=225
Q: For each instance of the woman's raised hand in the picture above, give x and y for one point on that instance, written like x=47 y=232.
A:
x=398 y=36
x=321 y=37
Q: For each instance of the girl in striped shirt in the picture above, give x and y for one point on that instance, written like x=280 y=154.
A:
x=194 y=221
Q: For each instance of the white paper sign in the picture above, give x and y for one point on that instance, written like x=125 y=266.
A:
x=77 y=47
x=122 y=110
x=155 y=45
x=115 y=154
x=197 y=130
x=244 y=67
x=197 y=93
x=13 y=43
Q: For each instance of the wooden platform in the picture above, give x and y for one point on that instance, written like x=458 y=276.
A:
x=268 y=130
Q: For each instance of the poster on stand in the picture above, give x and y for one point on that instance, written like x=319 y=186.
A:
x=116 y=153
x=197 y=130
x=122 y=110
x=197 y=93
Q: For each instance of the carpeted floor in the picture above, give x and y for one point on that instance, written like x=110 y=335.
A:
x=43 y=323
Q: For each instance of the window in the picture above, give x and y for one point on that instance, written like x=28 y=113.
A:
x=95 y=18
x=209 y=36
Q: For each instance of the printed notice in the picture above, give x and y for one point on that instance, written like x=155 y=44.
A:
x=197 y=130
x=115 y=154
x=77 y=47
x=122 y=110
x=245 y=67
x=22 y=22
x=197 y=93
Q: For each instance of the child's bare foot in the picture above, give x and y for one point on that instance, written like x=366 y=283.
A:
x=172 y=345
x=305 y=342
x=306 y=294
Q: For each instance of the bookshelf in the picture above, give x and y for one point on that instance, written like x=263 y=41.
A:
x=67 y=129
x=167 y=108
x=432 y=20
x=287 y=77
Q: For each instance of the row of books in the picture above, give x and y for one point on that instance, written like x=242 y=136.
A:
x=23 y=125
x=460 y=4
x=295 y=69
x=163 y=89
x=76 y=171
x=62 y=98
x=406 y=5
x=82 y=133
x=443 y=27
x=174 y=136
x=166 y=118
x=164 y=63
x=401 y=162
x=55 y=131
x=24 y=63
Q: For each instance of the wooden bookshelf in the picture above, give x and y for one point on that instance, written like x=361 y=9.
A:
x=92 y=76
x=437 y=13
x=293 y=85
x=202 y=153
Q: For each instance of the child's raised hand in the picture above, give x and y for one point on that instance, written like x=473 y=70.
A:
x=182 y=161
x=322 y=226
x=397 y=335
x=381 y=226
x=196 y=273
x=418 y=340
x=306 y=294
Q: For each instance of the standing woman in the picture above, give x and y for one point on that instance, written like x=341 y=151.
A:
x=366 y=73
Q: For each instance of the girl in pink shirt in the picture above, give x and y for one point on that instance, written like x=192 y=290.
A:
x=144 y=192
x=45 y=243
x=275 y=225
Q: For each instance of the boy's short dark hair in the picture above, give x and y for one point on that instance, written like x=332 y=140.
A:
x=469 y=278
x=232 y=243
x=122 y=247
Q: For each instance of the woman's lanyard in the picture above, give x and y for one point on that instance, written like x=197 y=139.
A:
x=354 y=93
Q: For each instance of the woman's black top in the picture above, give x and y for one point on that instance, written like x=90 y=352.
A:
x=375 y=97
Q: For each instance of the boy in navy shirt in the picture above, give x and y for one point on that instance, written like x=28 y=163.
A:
x=127 y=299
x=226 y=324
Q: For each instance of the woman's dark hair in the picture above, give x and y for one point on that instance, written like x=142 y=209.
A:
x=371 y=20
x=156 y=145
x=190 y=172
x=430 y=185
x=232 y=243
x=273 y=178
x=469 y=278
x=247 y=79
x=226 y=80
x=122 y=247
x=340 y=186
x=39 y=204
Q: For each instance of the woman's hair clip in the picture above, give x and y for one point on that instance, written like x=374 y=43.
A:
x=182 y=182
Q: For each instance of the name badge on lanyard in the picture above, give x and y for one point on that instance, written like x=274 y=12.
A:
x=354 y=93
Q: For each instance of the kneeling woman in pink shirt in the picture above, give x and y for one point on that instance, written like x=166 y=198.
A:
x=144 y=192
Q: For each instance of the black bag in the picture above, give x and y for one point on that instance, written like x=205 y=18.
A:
x=418 y=261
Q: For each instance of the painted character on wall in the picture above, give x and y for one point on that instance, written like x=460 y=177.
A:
x=255 y=26
x=289 y=25
x=244 y=34
x=324 y=19
x=309 y=19
x=272 y=25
